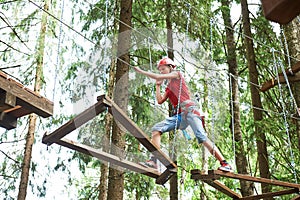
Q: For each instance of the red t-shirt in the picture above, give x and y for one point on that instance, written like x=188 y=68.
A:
x=173 y=90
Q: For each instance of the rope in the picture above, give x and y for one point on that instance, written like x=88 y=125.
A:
x=284 y=115
x=105 y=41
x=213 y=98
x=58 y=49
x=150 y=63
x=185 y=35
x=181 y=80
x=284 y=74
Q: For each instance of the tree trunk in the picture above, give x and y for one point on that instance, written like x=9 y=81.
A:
x=116 y=177
x=240 y=157
x=292 y=33
x=108 y=122
x=32 y=118
x=174 y=179
x=256 y=100
x=108 y=125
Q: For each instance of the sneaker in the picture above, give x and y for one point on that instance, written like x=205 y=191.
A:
x=149 y=163
x=225 y=167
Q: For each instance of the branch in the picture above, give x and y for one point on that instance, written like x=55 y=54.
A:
x=13 y=30
x=6 y=2
x=14 y=48
x=9 y=157
x=14 y=66
x=14 y=141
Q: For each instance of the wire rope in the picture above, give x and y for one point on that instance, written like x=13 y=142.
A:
x=285 y=117
x=71 y=28
x=58 y=49
x=181 y=82
x=212 y=97
x=284 y=73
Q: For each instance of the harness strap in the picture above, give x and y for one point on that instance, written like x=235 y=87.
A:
x=184 y=107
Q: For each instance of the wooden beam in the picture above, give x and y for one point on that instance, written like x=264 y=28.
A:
x=210 y=179
x=7 y=100
x=199 y=175
x=271 y=194
x=281 y=11
x=143 y=138
x=292 y=74
x=41 y=105
x=223 y=188
x=273 y=82
x=165 y=176
x=7 y=121
x=102 y=105
x=76 y=122
x=254 y=179
x=108 y=157
x=18 y=111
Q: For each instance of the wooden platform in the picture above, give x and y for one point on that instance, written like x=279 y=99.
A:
x=16 y=101
x=292 y=74
x=281 y=11
x=212 y=177
x=109 y=158
x=106 y=104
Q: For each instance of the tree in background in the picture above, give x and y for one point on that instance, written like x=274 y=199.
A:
x=256 y=99
x=292 y=32
x=116 y=177
x=240 y=156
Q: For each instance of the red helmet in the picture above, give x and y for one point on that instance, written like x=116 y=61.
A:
x=166 y=61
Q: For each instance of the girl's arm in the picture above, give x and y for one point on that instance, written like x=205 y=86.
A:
x=155 y=76
x=160 y=98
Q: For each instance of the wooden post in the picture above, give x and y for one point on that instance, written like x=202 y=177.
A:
x=7 y=100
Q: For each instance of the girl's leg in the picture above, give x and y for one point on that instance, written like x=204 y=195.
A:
x=213 y=150
x=156 y=137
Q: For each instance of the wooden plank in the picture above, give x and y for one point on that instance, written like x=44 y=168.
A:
x=211 y=179
x=108 y=157
x=7 y=100
x=223 y=188
x=76 y=122
x=273 y=82
x=271 y=194
x=18 y=111
x=120 y=116
x=199 y=175
x=165 y=176
x=7 y=121
x=42 y=106
x=254 y=179
x=281 y=11
x=292 y=75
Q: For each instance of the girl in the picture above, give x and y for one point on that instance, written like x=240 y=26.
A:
x=186 y=113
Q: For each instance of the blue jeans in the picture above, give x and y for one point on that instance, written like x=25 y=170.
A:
x=183 y=121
